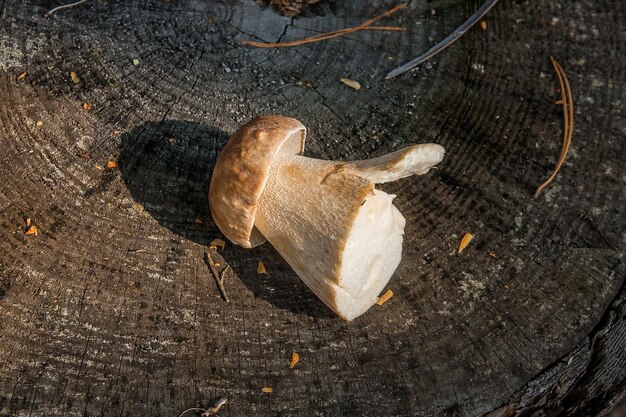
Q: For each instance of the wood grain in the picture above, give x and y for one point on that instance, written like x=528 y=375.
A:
x=111 y=311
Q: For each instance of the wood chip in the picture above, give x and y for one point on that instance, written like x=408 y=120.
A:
x=384 y=298
x=171 y=140
x=215 y=243
x=465 y=241
x=267 y=390
x=32 y=230
x=492 y=254
x=87 y=106
x=483 y=25
x=116 y=133
x=22 y=76
x=27 y=221
x=351 y=83
x=111 y=164
x=261 y=268
x=295 y=358
x=75 y=78
x=39 y=123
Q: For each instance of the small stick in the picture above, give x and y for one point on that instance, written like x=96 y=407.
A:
x=191 y=409
x=213 y=410
x=568 y=121
x=219 y=279
x=63 y=7
x=136 y=250
x=449 y=40
x=209 y=411
x=323 y=36
x=220 y=282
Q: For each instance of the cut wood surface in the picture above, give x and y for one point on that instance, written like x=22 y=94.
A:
x=110 y=309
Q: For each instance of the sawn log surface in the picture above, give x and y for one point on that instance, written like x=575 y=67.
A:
x=110 y=310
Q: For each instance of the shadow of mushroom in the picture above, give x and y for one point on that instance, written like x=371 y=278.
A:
x=167 y=167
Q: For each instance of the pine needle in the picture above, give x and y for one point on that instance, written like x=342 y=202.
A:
x=334 y=34
x=568 y=121
x=449 y=40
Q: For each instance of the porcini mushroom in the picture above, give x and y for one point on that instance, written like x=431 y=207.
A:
x=340 y=235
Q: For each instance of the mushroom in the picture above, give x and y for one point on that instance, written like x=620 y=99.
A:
x=340 y=235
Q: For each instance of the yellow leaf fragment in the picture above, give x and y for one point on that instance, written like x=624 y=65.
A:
x=39 y=123
x=32 y=230
x=295 y=358
x=87 y=106
x=483 y=25
x=492 y=254
x=351 y=83
x=117 y=133
x=215 y=243
x=27 y=221
x=111 y=164
x=75 y=78
x=267 y=390
x=99 y=167
x=465 y=241
x=22 y=76
x=384 y=298
x=261 y=268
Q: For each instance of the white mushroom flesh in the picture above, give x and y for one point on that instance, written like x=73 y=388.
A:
x=371 y=255
x=340 y=235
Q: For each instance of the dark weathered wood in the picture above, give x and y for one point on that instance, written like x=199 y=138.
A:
x=111 y=311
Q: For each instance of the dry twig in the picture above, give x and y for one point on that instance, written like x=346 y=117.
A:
x=65 y=6
x=568 y=121
x=209 y=411
x=340 y=32
x=449 y=40
x=219 y=278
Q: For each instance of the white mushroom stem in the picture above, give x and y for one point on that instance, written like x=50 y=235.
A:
x=340 y=235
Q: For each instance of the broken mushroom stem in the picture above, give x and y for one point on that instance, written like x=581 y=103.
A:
x=341 y=235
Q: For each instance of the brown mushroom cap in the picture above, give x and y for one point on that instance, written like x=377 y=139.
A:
x=241 y=172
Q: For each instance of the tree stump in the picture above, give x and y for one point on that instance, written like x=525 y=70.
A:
x=110 y=310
